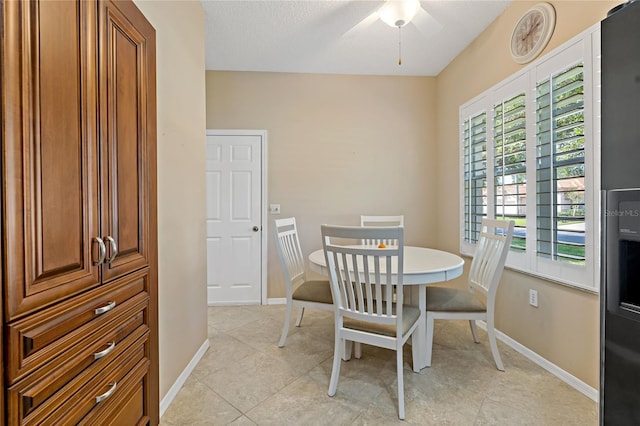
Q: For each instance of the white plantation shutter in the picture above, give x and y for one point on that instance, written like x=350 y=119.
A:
x=475 y=174
x=510 y=165
x=560 y=168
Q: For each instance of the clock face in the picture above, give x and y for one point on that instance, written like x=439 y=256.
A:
x=532 y=33
x=528 y=34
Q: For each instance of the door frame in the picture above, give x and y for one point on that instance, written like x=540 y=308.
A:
x=263 y=198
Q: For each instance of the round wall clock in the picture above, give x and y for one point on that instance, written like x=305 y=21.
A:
x=532 y=33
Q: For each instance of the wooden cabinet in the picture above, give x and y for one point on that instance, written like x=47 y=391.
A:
x=79 y=227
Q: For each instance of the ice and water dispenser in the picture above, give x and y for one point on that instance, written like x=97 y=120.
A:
x=622 y=252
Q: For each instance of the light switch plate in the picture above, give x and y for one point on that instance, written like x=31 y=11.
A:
x=533 y=298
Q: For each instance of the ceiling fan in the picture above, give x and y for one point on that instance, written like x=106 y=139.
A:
x=398 y=14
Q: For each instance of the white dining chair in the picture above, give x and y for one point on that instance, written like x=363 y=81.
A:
x=368 y=220
x=484 y=276
x=363 y=286
x=301 y=293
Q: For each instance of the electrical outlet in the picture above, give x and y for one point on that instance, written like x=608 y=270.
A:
x=533 y=298
x=274 y=208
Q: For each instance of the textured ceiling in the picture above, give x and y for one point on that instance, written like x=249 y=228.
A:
x=339 y=37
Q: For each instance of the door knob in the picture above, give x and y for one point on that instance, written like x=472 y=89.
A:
x=256 y=229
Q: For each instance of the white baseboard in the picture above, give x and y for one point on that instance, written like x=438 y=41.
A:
x=169 y=397
x=270 y=301
x=234 y=303
x=563 y=375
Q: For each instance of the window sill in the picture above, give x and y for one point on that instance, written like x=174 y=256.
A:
x=586 y=289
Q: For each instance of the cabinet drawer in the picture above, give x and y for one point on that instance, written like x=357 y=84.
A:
x=93 y=388
x=39 y=338
x=128 y=405
x=98 y=350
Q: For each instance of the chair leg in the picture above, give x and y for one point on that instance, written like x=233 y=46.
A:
x=285 y=327
x=474 y=330
x=349 y=348
x=399 y=367
x=338 y=347
x=429 y=344
x=415 y=352
x=299 y=320
x=346 y=351
x=491 y=331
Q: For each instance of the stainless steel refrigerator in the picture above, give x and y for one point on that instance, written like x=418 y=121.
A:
x=620 y=278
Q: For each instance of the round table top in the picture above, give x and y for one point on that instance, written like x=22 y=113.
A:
x=421 y=265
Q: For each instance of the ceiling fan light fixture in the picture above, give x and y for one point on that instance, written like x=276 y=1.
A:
x=398 y=13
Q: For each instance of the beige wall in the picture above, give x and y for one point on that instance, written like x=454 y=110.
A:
x=565 y=327
x=339 y=146
x=181 y=204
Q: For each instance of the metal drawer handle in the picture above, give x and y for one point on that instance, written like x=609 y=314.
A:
x=102 y=250
x=114 y=248
x=106 y=308
x=108 y=393
x=106 y=352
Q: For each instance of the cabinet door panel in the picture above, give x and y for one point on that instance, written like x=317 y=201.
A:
x=126 y=66
x=49 y=134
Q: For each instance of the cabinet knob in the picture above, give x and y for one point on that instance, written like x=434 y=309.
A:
x=256 y=229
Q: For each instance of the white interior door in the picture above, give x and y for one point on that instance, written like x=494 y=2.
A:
x=234 y=217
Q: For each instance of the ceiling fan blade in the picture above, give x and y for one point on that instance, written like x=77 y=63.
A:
x=365 y=23
x=426 y=24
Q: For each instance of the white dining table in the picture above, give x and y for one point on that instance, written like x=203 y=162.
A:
x=422 y=266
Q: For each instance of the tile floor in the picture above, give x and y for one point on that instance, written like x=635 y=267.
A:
x=245 y=379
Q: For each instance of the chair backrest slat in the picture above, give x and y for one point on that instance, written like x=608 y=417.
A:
x=363 y=281
x=358 y=281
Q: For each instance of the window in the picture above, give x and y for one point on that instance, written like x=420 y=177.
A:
x=529 y=149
